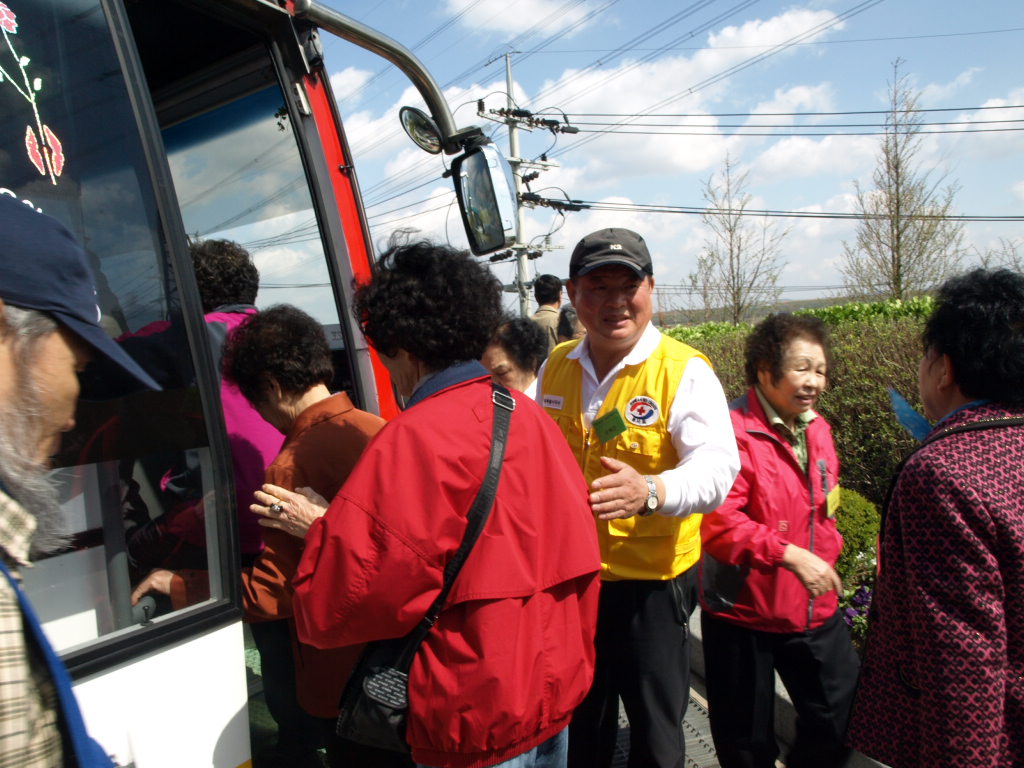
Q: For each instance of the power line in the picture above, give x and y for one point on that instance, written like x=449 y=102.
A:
x=808 y=132
x=788 y=114
x=818 y=42
x=699 y=211
x=749 y=62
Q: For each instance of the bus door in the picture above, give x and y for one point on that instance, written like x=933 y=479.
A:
x=140 y=124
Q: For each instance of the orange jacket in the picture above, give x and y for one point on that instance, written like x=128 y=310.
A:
x=322 y=447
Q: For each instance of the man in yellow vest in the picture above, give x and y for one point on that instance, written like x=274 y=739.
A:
x=648 y=422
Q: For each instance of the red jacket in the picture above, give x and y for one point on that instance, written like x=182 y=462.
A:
x=512 y=653
x=772 y=503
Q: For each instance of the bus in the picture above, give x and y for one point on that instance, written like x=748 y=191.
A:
x=140 y=124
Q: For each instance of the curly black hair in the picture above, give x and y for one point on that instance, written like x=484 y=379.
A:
x=524 y=341
x=431 y=300
x=547 y=289
x=979 y=322
x=225 y=273
x=766 y=344
x=281 y=342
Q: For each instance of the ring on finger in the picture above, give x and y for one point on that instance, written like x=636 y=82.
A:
x=275 y=509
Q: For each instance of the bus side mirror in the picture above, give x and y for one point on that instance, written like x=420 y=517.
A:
x=487 y=198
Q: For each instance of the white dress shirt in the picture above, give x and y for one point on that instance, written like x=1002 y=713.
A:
x=698 y=423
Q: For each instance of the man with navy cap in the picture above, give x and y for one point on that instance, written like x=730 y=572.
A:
x=648 y=422
x=49 y=333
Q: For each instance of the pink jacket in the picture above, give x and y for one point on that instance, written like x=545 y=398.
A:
x=772 y=503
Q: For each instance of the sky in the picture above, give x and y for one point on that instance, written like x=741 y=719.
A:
x=701 y=75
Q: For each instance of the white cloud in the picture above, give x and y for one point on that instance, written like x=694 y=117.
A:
x=799 y=98
x=937 y=93
x=347 y=85
x=774 y=31
x=1018 y=191
x=517 y=16
x=802 y=156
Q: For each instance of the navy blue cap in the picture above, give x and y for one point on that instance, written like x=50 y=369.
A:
x=43 y=267
x=621 y=247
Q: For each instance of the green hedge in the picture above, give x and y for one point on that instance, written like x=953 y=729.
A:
x=858 y=521
x=874 y=347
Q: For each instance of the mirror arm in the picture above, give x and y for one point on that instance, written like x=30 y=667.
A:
x=453 y=140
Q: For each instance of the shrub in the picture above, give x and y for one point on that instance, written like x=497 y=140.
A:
x=858 y=522
x=695 y=334
x=891 y=309
x=869 y=357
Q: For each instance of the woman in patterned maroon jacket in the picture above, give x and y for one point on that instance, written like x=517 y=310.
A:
x=943 y=680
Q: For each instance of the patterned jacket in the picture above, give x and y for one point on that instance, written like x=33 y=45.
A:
x=943 y=678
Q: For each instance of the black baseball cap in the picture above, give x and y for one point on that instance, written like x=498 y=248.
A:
x=42 y=267
x=611 y=246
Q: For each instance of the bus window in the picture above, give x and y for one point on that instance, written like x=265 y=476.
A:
x=71 y=143
x=235 y=158
x=239 y=176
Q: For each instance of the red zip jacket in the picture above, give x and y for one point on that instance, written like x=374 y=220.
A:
x=772 y=503
x=512 y=652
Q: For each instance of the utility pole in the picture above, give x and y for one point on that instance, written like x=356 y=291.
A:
x=516 y=161
x=514 y=118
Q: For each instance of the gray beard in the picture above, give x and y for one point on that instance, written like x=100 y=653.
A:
x=24 y=476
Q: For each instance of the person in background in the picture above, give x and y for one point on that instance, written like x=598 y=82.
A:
x=280 y=361
x=943 y=675
x=515 y=354
x=647 y=420
x=49 y=332
x=768 y=586
x=569 y=325
x=511 y=654
x=547 y=290
x=228 y=282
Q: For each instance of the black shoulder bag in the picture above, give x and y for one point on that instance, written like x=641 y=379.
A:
x=376 y=697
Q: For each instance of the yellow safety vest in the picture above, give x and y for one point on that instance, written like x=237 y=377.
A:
x=656 y=547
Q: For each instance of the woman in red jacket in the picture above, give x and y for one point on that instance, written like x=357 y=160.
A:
x=769 y=590
x=512 y=653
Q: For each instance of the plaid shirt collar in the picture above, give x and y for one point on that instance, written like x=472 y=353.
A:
x=16 y=529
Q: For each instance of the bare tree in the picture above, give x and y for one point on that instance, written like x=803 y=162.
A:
x=905 y=243
x=1009 y=254
x=739 y=266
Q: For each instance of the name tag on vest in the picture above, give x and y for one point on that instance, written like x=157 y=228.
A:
x=553 y=401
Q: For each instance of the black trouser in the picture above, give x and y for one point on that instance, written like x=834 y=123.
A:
x=819 y=669
x=296 y=729
x=642 y=657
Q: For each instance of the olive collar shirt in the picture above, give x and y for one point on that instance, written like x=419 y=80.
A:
x=29 y=734
x=698 y=423
x=546 y=317
x=795 y=438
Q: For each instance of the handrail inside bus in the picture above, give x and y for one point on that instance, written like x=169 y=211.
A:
x=342 y=26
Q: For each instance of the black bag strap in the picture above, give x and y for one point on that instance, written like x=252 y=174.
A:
x=476 y=518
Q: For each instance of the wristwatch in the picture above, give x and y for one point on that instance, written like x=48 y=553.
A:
x=652 y=498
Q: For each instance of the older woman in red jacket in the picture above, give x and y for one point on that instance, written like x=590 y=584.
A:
x=769 y=590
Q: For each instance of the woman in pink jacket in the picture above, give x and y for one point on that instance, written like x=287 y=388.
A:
x=769 y=590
